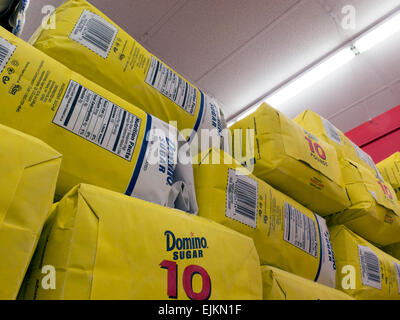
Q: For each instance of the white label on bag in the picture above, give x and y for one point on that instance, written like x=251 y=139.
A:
x=373 y=194
x=300 y=230
x=370 y=267
x=6 y=51
x=98 y=120
x=331 y=131
x=162 y=178
x=367 y=159
x=95 y=33
x=172 y=86
x=241 y=199
x=212 y=116
x=327 y=275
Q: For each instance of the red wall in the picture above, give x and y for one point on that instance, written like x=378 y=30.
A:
x=379 y=137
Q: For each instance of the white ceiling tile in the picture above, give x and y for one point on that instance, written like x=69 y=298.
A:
x=350 y=119
x=396 y=90
x=384 y=58
x=365 y=111
x=134 y=16
x=381 y=103
x=367 y=12
x=205 y=32
x=297 y=41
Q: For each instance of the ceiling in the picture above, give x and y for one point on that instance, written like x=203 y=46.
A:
x=238 y=51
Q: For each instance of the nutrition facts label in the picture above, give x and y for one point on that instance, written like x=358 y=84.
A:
x=172 y=86
x=300 y=230
x=98 y=120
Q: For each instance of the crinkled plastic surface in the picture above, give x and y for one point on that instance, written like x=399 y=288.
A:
x=292 y=160
x=104 y=245
x=390 y=169
x=364 y=271
x=345 y=148
x=374 y=213
x=121 y=65
x=282 y=285
x=104 y=140
x=286 y=234
x=28 y=170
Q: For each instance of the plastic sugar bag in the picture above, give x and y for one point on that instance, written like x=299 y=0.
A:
x=29 y=169
x=104 y=140
x=290 y=159
x=104 y=245
x=121 y=65
x=286 y=234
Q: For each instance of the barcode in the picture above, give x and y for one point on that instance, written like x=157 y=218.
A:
x=370 y=267
x=331 y=131
x=95 y=33
x=242 y=195
x=300 y=230
x=3 y=54
x=6 y=51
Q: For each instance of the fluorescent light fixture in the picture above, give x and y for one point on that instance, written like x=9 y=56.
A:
x=303 y=82
x=309 y=78
x=244 y=115
x=378 y=34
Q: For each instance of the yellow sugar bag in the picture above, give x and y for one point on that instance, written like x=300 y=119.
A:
x=28 y=170
x=390 y=169
x=291 y=160
x=364 y=271
x=282 y=285
x=374 y=213
x=393 y=250
x=104 y=245
x=345 y=148
x=286 y=234
x=89 y=43
x=104 y=140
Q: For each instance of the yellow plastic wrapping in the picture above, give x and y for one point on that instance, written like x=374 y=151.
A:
x=28 y=170
x=390 y=169
x=121 y=65
x=282 y=285
x=292 y=160
x=393 y=250
x=105 y=245
x=104 y=140
x=364 y=271
x=326 y=131
x=286 y=234
x=374 y=211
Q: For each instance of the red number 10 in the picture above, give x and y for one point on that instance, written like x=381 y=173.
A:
x=385 y=190
x=188 y=273
x=316 y=148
